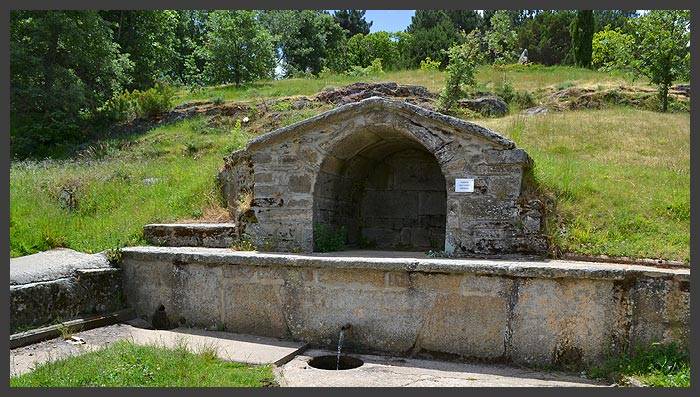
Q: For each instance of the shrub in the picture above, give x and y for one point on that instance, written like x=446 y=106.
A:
x=130 y=105
x=523 y=99
x=327 y=239
x=325 y=73
x=429 y=65
x=121 y=107
x=506 y=91
x=156 y=100
x=463 y=60
x=373 y=69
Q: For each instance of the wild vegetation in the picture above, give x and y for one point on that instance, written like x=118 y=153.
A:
x=68 y=67
x=599 y=165
x=117 y=162
x=657 y=365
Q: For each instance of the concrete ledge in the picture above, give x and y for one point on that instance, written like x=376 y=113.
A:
x=556 y=313
x=509 y=267
x=60 y=285
x=217 y=235
x=52 y=265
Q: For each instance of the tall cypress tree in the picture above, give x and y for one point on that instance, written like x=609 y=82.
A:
x=582 y=29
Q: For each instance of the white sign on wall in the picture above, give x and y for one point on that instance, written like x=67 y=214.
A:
x=464 y=185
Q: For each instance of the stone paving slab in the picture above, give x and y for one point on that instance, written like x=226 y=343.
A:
x=231 y=347
x=52 y=265
x=385 y=371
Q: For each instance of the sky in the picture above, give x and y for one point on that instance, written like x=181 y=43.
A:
x=389 y=20
x=397 y=20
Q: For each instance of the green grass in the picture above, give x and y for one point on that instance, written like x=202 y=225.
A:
x=124 y=364
x=114 y=197
x=657 y=366
x=620 y=178
x=528 y=78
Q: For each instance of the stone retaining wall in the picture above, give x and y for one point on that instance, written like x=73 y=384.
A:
x=543 y=313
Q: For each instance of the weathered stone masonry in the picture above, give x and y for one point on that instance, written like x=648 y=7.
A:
x=557 y=313
x=385 y=170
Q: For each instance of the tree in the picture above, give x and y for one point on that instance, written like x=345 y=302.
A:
x=464 y=20
x=362 y=49
x=502 y=39
x=547 y=37
x=662 y=48
x=149 y=39
x=616 y=19
x=307 y=40
x=432 y=34
x=582 y=29
x=612 y=49
x=463 y=60
x=403 y=42
x=237 y=49
x=63 y=66
x=353 y=21
x=427 y=19
x=190 y=35
x=517 y=17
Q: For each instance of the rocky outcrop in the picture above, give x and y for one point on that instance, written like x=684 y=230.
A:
x=358 y=91
x=489 y=105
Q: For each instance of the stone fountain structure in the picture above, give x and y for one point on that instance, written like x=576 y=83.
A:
x=398 y=180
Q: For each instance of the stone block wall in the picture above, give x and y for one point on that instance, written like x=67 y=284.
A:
x=552 y=313
x=87 y=292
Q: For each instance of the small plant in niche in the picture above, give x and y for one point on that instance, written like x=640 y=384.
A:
x=114 y=256
x=437 y=254
x=243 y=243
x=327 y=239
x=366 y=243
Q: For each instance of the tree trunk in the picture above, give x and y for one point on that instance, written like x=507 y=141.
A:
x=663 y=93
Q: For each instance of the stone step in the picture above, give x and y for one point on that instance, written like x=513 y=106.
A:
x=212 y=235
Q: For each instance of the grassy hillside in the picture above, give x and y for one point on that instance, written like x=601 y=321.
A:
x=619 y=176
x=528 y=78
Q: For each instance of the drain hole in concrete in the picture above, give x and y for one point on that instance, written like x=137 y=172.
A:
x=331 y=362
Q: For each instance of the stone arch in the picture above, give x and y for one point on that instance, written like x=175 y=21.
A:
x=385 y=187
